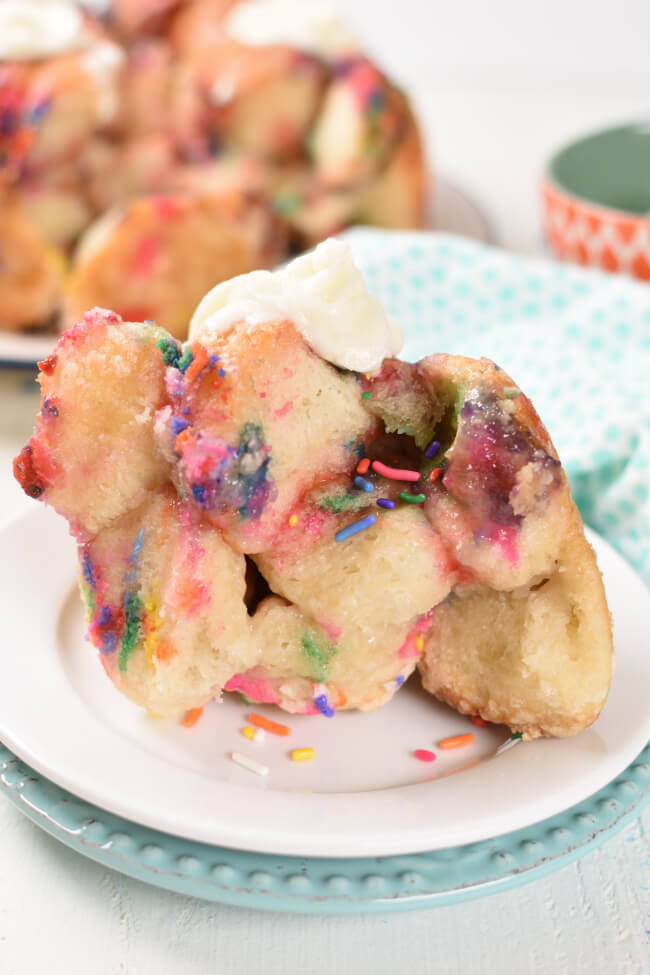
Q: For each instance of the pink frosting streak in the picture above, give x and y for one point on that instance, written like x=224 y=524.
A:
x=408 y=648
x=505 y=538
x=284 y=410
x=256 y=688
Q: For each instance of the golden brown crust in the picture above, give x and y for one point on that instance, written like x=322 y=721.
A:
x=400 y=196
x=447 y=673
x=163 y=254
x=529 y=644
x=333 y=141
x=32 y=273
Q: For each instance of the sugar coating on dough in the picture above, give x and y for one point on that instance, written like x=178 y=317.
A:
x=264 y=420
x=535 y=657
x=93 y=450
x=207 y=486
x=164 y=596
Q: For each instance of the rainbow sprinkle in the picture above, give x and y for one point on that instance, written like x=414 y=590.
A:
x=323 y=706
x=366 y=395
x=170 y=352
x=412 y=498
x=293 y=521
x=513 y=740
x=435 y=474
x=302 y=754
x=395 y=473
x=192 y=717
x=424 y=755
x=363 y=484
x=276 y=729
x=386 y=503
x=363 y=466
x=254 y=734
x=249 y=763
x=511 y=392
x=355 y=527
x=458 y=741
x=185 y=360
x=432 y=449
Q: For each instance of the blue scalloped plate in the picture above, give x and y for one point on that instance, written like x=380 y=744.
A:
x=321 y=886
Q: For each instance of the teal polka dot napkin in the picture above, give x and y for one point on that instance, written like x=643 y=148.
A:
x=576 y=341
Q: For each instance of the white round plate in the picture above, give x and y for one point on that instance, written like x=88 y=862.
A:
x=363 y=795
x=26 y=348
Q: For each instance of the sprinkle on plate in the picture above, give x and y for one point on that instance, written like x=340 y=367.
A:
x=457 y=741
x=273 y=726
x=424 y=755
x=302 y=754
x=249 y=763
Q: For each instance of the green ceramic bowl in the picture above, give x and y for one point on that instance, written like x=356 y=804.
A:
x=596 y=200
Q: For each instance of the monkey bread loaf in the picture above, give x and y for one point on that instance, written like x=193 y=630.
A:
x=282 y=508
x=172 y=144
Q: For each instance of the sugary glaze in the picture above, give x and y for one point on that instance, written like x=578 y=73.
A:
x=228 y=541
x=163 y=101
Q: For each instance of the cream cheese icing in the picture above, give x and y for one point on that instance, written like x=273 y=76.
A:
x=325 y=296
x=308 y=25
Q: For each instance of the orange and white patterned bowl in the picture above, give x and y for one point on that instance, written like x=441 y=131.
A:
x=596 y=201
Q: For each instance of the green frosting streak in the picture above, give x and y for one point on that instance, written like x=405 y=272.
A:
x=132 y=628
x=337 y=503
x=170 y=351
x=185 y=360
x=318 y=655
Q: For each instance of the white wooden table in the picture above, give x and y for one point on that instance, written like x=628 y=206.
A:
x=60 y=913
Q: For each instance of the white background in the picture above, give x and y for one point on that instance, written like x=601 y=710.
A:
x=498 y=85
x=430 y=40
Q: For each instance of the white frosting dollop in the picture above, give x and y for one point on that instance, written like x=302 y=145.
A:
x=323 y=293
x=33 y=29
x=308 y=25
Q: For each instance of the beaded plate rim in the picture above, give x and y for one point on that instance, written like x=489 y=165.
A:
x=322 y=886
